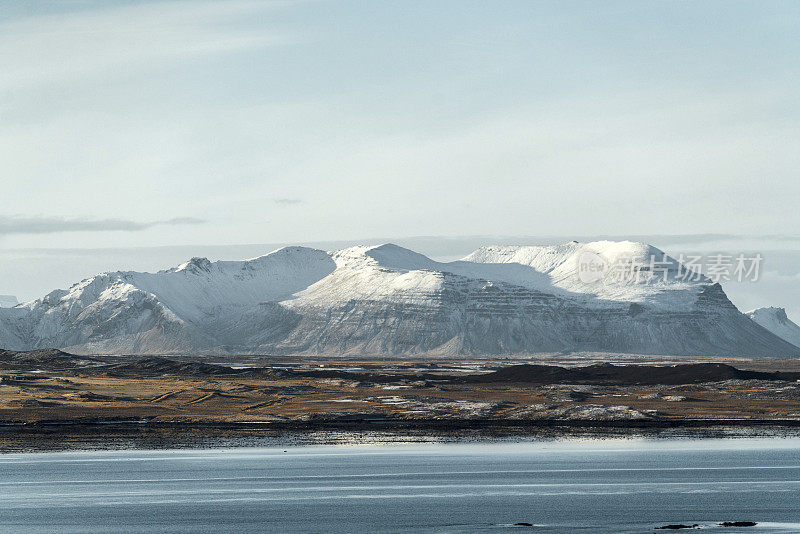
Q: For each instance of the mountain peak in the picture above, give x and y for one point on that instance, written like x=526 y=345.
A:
x=195 y=265
x=386 y=255
x=295 y=250
x=769 y=311
x=624 y=270
x=396 y=257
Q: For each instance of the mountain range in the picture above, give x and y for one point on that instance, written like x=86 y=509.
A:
x=388 y=300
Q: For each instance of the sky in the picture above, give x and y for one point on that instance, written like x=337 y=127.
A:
x=138 y=125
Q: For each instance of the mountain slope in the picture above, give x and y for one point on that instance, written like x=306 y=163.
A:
x=390 y=300
x=776 y=321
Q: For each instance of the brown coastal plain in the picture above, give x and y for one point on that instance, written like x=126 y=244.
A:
x=49 y=397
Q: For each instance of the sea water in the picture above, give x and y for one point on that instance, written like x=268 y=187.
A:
x=556 y=486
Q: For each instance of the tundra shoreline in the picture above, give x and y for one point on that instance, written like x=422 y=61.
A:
x=52 y=436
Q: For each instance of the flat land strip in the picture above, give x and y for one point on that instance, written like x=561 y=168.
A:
x=50 y=391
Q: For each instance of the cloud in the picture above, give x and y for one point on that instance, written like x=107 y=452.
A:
x=97 y=42
x=288 y=201
x=52 y=225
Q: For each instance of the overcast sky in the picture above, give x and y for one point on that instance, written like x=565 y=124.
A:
x=172 y=129
x=226 y=122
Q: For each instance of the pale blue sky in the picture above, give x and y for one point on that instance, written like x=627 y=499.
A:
x=323 y=120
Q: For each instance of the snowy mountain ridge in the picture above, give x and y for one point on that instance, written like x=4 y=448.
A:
x=385 y=299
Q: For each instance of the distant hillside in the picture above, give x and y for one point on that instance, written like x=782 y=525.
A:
x=776 y=321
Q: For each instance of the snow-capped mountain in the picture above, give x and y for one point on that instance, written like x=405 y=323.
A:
x=776 y=321
x=8 y=301
x=390 y=300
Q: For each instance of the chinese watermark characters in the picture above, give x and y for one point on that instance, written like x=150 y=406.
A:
x=716 y=268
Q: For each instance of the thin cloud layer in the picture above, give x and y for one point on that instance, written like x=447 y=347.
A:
x=288 y=201
x=52 y=225
x=99 y=40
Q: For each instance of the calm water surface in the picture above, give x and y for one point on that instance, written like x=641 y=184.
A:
x=558 y=486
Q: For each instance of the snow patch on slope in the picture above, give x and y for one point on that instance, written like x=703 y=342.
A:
x=776 y=321
x=199 y=288
x=378 y=271
x=666 y=289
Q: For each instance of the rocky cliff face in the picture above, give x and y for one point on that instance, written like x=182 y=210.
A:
x=389 y=300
